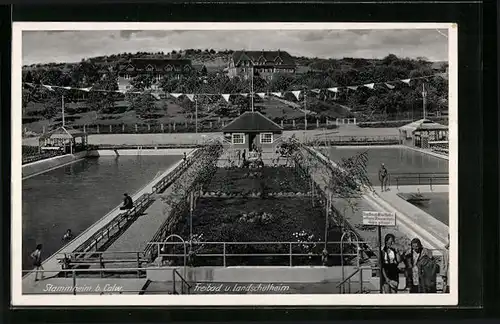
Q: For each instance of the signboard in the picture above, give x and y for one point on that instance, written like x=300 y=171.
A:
x=379 y=218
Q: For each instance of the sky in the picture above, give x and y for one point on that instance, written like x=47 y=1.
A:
x=73 y=46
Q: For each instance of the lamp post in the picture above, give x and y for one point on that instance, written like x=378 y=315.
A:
x=305 y=110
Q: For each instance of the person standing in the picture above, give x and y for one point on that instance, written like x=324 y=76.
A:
x=383 y=177
x=446 y=265
x=390 y=262
x=68 y=236
x=36 y=256
x=413 y=259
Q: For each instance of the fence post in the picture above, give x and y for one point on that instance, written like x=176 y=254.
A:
x=110 y=128
x=174 y=127
x=290 y=251
x=136 y=128
x=282 y=123
x=97 y=128
x=158 y=245
x=101 y=264
x=162 y=128
x=419 y=178
x=149 y=128
x=224 y=253
x=317 y=123
x=138 y=265
x=84 y=129
x=74 y=282
x=123 y=128
x=430 y=179
x=293 y=123
x=211 y=125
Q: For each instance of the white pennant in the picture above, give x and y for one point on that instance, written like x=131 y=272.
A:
x=390 y=86
x=176 y=95
x=121 y=91
x=407 y=81
x=48 y=87
x=85 y=89
x=67 y=88
x=226 y=97
x=261 y=94
x=353 y=87
x=370 y=85
x=316 y=90
x=244 y=94
x=190 y=96
x=277 y=94
x=296 y=94
x=155 y=95
x=333 y=89
x=28 y=84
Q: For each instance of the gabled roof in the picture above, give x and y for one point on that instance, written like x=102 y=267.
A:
x=423 y=124
x=158 y=64
x=63 y=132
x=252 y=122
x=269 y=56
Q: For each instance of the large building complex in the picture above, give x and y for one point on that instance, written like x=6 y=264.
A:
x=265 y=64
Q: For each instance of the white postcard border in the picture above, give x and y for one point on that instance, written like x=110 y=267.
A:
x=18 y=299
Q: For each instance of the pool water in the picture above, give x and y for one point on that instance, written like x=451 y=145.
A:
x=438 y=206
x=77 y=195
x=396 y=160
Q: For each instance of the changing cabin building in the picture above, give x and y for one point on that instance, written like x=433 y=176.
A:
x=264 y=64
x=252 y=130
x=424 y=133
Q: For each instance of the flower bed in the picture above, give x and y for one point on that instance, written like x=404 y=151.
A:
x=259 y=220
x=243 y=181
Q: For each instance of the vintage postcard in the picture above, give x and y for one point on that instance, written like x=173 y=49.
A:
x=234 y=164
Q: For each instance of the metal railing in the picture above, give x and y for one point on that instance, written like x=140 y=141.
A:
x=418 y=178
x=185 y=286
x=290 y=250
x=145 y=146
x=327 y=140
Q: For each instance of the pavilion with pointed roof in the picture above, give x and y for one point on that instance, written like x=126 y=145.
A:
x=63 y=138
x=423 y=133
x=252 y=129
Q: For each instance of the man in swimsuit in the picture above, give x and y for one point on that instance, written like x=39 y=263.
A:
x=127 y=202
x=383 y=177
x=37 y=261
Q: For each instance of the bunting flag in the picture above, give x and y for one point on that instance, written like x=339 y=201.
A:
x=388 y=84
x=48 y=87
x=296 y=94
x=156 y=95
x=226 y=97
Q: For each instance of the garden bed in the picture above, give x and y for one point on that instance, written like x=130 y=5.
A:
x=244 y=181
x=259 y=220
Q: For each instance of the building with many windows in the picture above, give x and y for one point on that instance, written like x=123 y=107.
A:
x=157 y=68
x=265 y=64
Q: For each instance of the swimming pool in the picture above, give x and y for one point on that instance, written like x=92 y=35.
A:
x=438 y=206
x=77 y=195
x=396 y=160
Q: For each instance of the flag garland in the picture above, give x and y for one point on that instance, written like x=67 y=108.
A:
x=156 y=94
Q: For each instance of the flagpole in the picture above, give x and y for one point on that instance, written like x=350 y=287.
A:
x=251 y=93
x=196 y=114
x=62 y=107
x=305 y=110
x=424 y=98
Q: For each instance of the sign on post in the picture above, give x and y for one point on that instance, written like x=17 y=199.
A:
x=379 y=219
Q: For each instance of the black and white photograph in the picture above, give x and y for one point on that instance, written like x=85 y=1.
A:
x=234 y=164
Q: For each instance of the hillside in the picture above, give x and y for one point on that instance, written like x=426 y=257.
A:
x=43 y=107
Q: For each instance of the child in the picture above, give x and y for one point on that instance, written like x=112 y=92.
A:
x=37 y=261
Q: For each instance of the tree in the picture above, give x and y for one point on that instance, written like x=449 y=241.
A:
x=143 y=104
x=142 y=81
